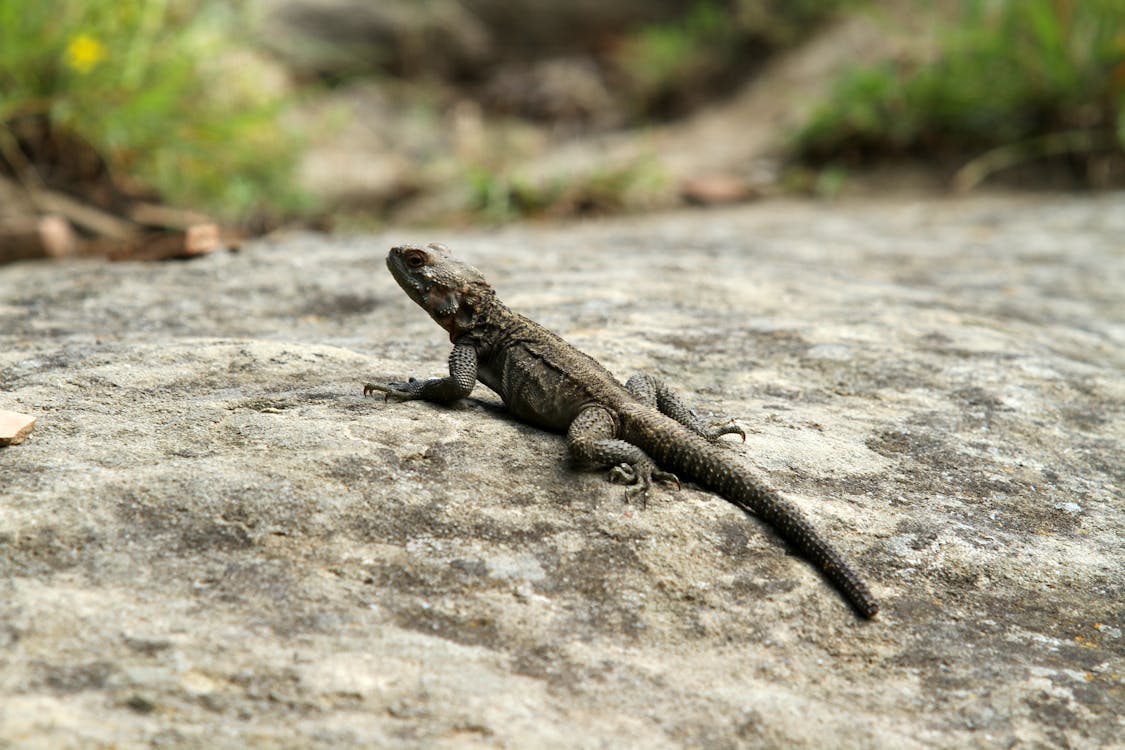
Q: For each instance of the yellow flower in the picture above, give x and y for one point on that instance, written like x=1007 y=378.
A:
x=84 y=52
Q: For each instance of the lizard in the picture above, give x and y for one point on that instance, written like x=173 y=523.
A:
x=641 y=429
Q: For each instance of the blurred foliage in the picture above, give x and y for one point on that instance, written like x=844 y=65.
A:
x=1034 y=78
x=497 y=196
x=669 y=68
x=161 y=89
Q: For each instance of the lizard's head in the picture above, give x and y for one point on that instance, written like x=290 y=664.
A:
x=449 y=290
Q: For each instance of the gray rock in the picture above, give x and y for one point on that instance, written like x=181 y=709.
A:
x=211 y=539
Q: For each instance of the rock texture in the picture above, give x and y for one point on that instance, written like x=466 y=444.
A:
x=212 y=540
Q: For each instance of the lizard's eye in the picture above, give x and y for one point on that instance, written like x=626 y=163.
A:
x=415 y=260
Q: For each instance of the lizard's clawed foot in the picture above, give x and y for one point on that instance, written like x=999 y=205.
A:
x=717 y=429
x=401 y=391
x=639 y=478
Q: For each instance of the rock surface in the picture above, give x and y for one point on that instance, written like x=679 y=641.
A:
x=212 y=540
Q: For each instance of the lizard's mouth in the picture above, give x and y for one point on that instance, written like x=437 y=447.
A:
x=414 y=286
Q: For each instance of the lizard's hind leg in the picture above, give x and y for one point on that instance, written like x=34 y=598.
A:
x=592 y=439
x=656 y=393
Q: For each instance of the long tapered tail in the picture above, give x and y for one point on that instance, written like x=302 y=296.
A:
x=692 y=457
x=741 y=488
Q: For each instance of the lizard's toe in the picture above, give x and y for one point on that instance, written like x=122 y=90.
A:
x=639 y=478
x=638 y=491
x=401 y=391
x=729 y=427
x=667 y=476
x=623 y=474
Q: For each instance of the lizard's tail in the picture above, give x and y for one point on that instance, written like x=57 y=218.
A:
x=694 y=458
x=740 y=487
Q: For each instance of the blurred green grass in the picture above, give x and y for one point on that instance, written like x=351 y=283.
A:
x=670 y=68
x=1014 y=80
x=164 y=91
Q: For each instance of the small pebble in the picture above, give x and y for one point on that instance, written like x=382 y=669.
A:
x=14 y=427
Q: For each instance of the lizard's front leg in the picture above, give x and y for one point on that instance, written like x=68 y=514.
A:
x=656 y=393
x=462 y=378
x=592 y=438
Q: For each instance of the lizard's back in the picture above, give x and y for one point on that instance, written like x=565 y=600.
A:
x=541 y=378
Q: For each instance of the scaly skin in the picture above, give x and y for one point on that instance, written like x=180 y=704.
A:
x=635 y=428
